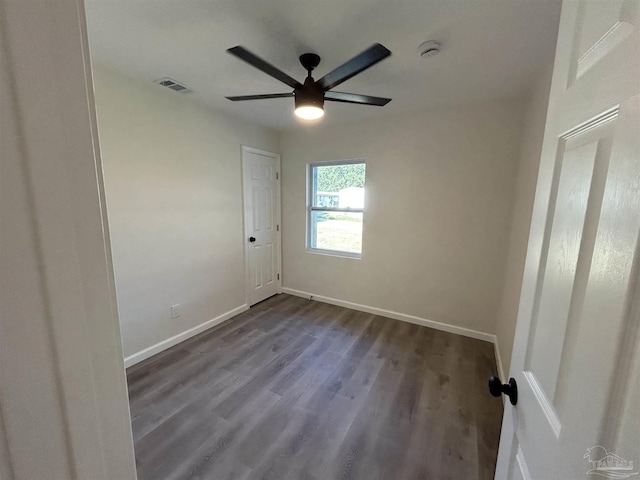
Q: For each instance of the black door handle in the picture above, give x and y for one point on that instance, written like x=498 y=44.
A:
x=497 y=388
x=252 y=239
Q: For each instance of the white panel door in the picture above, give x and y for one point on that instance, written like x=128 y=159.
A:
x=261 y=223
x=575 y=356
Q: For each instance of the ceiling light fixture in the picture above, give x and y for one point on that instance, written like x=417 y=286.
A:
x=309 y=100
x=309 y=112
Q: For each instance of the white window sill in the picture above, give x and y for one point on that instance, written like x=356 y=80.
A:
x=334 y=253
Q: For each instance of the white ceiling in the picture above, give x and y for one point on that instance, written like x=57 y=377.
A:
x=491 y=48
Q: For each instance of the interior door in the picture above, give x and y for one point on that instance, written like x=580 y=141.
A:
x=575 y=356
x=261 y=223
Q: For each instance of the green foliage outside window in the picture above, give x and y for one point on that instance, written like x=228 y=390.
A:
x=335 y=178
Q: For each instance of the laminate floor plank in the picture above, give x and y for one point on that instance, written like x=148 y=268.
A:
x=345 y=400
x=253 y=343
x=294 y=389
x=144 y=375
x=217 y=455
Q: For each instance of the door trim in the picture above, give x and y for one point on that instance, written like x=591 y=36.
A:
x=246 y=149
x=65 y=381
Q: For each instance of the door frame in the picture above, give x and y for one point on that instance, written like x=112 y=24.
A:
x=65 y=390
x=244 y=150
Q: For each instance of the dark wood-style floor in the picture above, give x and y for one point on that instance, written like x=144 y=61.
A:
x=301 y=390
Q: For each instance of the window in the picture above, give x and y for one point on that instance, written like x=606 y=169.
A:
x=335 y=207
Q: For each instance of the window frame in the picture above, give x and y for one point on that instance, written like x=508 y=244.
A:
x=310 y=209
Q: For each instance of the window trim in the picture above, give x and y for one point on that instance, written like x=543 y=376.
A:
x=310 y=209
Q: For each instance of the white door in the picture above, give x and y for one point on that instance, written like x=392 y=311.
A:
x=576 y=354
x=261 y=171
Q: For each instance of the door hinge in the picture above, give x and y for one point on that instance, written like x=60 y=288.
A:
x=277 y=228
x=277 y=176
x=278 y=276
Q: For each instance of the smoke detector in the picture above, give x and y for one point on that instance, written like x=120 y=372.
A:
x=429 y=49
x=173 y=85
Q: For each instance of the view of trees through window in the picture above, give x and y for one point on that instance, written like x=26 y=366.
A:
x=338 y=177
x=337 y=207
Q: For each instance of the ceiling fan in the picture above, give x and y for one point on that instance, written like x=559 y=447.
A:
x=310 y=95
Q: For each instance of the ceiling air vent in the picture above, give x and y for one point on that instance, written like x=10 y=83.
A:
x=173 y=85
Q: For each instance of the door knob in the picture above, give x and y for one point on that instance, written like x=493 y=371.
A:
x=252 y=239
x=497 y=388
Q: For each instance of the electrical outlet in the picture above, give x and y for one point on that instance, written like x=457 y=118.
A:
x=175 y=310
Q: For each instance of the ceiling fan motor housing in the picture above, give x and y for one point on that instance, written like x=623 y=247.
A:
x=309 y=94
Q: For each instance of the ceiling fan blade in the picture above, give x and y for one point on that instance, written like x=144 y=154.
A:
x=244 y=54
x=356 y=98
x=260 y=97
x=357 y=64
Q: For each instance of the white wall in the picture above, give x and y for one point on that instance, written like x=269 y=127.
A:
x=535 y=117
x=174 y=197
x=439 y=189
x=449 y=197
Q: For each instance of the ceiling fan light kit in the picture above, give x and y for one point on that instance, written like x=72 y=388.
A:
x=309 y=96
x=309 y=101
x=309 y=112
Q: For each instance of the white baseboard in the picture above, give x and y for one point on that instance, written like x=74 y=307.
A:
x=467 y=332
x=170 y=342
x=181 y=337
